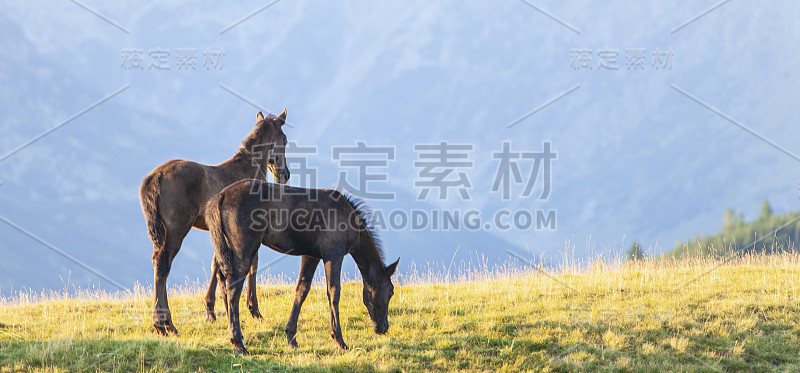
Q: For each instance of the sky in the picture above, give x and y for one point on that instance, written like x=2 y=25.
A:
x=659 y=117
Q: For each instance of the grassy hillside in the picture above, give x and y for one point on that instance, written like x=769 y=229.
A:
x=656 y=315
x=768 y=233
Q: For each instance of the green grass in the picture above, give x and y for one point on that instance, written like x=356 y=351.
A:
x=741 y=316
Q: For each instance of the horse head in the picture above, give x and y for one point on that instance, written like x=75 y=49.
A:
x=267 y=144
x=378 y=290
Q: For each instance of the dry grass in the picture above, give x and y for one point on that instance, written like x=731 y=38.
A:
x=655 y=315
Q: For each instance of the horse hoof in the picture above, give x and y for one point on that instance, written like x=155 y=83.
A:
x=239 y=347
x=254 y=312
x=165 y=329
x=171 y=328
x=161 y=330
x=210 y=318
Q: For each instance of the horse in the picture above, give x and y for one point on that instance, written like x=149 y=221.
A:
x=173 y=198
x=317 y=224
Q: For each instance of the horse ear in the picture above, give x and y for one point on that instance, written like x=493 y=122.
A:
x=259 y=117
x=282 y=118
x=391 y=268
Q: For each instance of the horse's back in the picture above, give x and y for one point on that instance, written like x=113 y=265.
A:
x=256 y=193
x=179 y=170
x=238 y=198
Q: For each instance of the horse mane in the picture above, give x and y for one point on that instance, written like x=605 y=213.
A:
x=365 y=213
x=254 y=135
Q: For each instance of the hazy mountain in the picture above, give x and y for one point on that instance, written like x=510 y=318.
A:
x=636 y=157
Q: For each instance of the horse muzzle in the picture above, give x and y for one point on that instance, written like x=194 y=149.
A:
x=382 y=328
x=283 y=178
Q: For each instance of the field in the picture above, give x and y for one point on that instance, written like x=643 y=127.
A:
x=657 y=315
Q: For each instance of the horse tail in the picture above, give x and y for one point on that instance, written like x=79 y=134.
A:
x=223 y=253
x=148 y=194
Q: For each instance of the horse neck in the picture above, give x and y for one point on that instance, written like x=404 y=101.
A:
x=367 y=257
x=253 y=150
x=242 y=166
x=255 y=138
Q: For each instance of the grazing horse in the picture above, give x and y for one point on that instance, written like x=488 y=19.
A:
x=318 y=224
x=174 y=195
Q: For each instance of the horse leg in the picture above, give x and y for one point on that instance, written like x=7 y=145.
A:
x=252 y=301
x=223 y=288
x=333 y=269
x=234 y=288
x=308 y=266
x=162 y=262
x=211 y=295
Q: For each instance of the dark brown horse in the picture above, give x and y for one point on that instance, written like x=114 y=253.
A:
x=174 y=196
x=319 y=224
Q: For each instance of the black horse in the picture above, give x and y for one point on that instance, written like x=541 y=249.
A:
x=318 y=224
